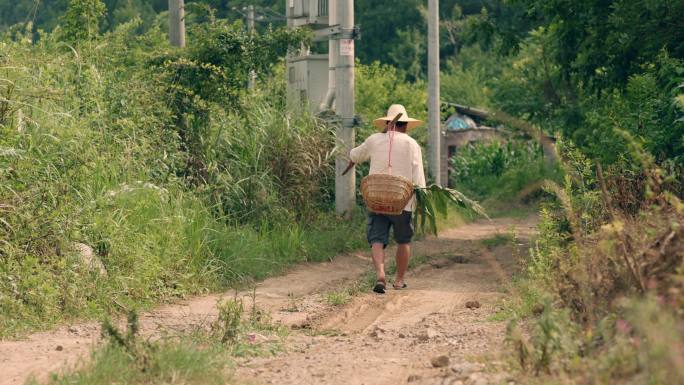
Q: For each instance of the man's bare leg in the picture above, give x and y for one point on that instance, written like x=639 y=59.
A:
x=379 y=260
x=403 y=254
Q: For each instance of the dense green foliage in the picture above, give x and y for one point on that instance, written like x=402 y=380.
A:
x=82 y=20
x=603 y=44
x=175 y=194
x=593 y=69
x=183 y=181
x=498 y=172
x=45 y=14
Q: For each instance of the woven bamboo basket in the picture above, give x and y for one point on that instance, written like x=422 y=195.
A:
x=385 y=193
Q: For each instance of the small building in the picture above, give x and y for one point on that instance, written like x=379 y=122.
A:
x=462 y=127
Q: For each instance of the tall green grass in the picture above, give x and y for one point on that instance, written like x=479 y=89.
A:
x=90 y=152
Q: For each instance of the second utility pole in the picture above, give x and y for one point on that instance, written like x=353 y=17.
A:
x=250 y=28
x=177 y=23
x=345 y=185
x=434 y=118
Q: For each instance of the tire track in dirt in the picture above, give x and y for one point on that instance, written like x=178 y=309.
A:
x=45 y=352
x=391 y=339
x=435 y=293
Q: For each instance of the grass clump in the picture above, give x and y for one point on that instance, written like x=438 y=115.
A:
x=128 y=358
x=242 y=334
x=338 y=298
x=203 y=356
x=169 y=363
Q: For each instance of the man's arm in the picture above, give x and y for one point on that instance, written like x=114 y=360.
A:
x=357 y=155
x=418 y=172
x=360 y=153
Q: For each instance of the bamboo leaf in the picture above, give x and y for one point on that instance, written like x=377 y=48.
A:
x=433 y=200
x=440 y=202
x=430 y=214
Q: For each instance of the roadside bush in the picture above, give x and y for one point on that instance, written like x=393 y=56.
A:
x=613 y=276
x=471 y=78
x=82 y=20
x=269 y=165
x=498 y=170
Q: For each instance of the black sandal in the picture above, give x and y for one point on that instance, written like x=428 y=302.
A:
x=379 y=287
x=403 y=286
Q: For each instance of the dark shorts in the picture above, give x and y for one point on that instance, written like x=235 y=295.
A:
x=378 y=228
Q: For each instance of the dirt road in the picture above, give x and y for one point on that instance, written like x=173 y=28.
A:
x=372 y=339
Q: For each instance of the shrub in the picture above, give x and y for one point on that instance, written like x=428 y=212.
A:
x=613 y=276
x=499 y=170
x=378 y=86
x=82 y=20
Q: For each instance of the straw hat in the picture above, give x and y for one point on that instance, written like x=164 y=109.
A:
x=391 y=113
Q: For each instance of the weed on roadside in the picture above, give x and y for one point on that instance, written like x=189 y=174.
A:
x=338 y=298
x=202 y=356
x=245 y=336
x=291 y=303
x=499 y=240
x=128 y=358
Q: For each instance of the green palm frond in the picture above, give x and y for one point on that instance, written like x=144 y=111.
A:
x=433 y=200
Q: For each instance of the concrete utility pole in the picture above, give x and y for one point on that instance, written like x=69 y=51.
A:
x=333 y=51
x=434 y=119
x=250 y=18
x=250 y=28
x=344 y=102
x=177 y=23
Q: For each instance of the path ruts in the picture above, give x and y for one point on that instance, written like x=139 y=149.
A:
x=371 y=340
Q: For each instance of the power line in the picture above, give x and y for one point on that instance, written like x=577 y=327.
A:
x=34 y=12
x=261 y=14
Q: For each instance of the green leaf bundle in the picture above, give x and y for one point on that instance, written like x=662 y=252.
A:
x=433 y=200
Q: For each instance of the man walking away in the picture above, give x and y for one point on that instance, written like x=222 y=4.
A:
x=407 y=161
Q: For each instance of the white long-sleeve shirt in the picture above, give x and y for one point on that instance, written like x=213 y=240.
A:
x=407 y=158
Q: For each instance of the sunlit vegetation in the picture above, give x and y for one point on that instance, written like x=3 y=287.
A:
x=133 y=173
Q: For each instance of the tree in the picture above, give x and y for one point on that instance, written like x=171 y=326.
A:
x=214 y=70
x=601 y=43
x=381 y=26
x=592 y=69
x=82 y=20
